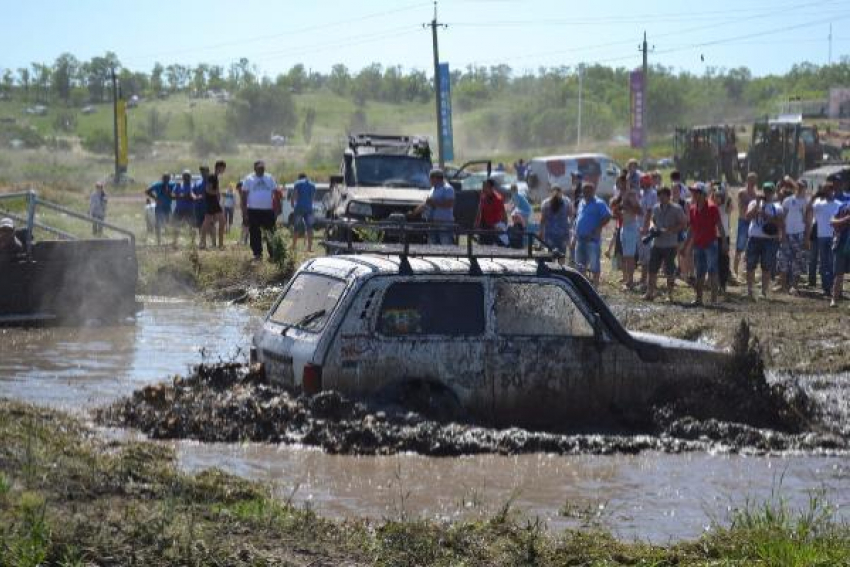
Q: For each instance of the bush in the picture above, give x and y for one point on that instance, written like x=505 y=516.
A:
x=99 y=142
x=209 y=142
x=29 y=136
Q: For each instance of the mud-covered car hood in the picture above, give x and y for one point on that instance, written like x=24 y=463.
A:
x=387 y=195
x=671 y=343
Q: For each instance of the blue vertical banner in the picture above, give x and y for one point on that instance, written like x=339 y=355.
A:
x=446 y=136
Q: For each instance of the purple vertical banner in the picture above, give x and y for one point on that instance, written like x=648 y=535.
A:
x=637 y=99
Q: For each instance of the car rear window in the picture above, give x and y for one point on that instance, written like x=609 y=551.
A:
x=538 y=309
x=432 y=308
x=309 y=301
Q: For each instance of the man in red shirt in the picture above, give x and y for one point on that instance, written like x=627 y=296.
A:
x=491 y=213
x=705 y=227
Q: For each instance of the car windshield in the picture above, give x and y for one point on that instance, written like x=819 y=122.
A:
x=392 y=171
x=476 y=178
x=309 y=302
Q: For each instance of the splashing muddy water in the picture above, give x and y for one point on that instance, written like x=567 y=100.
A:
x=651 y=495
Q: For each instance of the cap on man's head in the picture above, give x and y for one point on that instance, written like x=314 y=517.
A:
x=187 y=172
x=588 y=185
x=632 y=161
x=436 y=172
x=7 y=223
x=752 y=175
x=768 y=186
x=802 y=183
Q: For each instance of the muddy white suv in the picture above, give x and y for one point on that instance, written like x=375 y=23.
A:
x=502 y=341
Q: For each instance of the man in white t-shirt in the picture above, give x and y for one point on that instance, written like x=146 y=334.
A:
x=792 y=260
x=259 y=188
x=824 y=210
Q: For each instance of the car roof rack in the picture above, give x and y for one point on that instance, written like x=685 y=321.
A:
x=402 y=233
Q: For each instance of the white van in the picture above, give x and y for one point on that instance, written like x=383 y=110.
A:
x=544 y=172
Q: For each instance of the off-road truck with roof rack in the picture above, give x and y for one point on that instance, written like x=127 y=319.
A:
x=499 y=335
x=384 y=175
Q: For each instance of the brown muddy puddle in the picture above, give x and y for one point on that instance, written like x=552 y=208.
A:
x=649 y=496
x=654 y=496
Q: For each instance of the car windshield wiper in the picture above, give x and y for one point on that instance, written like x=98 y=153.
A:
x=309 y=318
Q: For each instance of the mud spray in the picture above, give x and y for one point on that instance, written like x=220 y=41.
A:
x=233 y=402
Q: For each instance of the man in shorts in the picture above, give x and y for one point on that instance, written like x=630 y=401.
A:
x=303 y=193
x=668 y=220
x=592 y=216
x=766 y=226
x=705 y=226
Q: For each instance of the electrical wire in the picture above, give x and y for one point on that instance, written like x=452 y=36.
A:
x=300 y=30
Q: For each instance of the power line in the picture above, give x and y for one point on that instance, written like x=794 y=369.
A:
x=755 y=34
x=298 y=31
x=715 y=15
x=675 y=33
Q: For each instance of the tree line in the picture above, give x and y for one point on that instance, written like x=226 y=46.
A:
x=528 y=109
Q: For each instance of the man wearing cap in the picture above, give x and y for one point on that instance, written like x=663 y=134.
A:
x=705 y=227
x=439 y=207
x=9 y=243
x=592 y=216
x=763 y=237
x=97 y=207
x=303 y=193
x=258 y=188
x=184 y=205
x=161 y=193
x=745 y=197
x=668 y=220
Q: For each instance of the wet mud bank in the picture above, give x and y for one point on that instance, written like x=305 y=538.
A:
x=232 y=403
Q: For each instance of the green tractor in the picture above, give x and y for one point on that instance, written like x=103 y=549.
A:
x=707 y=152
x=783 y=147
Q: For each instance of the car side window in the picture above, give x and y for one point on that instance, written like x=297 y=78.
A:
x=432 y=308
x=538 y=309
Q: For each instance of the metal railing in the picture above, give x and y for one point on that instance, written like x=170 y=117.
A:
x=33 y=202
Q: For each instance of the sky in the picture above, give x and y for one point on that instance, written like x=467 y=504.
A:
x=768 y=37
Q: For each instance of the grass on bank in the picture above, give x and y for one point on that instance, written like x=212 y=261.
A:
x=68 y=497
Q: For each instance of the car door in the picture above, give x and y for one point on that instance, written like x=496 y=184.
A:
x=433 y=331
x=544 y=360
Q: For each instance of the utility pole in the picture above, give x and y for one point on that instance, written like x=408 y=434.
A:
x=115 y=124
x=437 y=96
x=578 y=134
x=644 y=49
x=830 y=44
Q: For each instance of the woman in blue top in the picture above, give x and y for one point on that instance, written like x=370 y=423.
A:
x=555 y=213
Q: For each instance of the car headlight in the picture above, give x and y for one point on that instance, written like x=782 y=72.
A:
x=359 y=209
